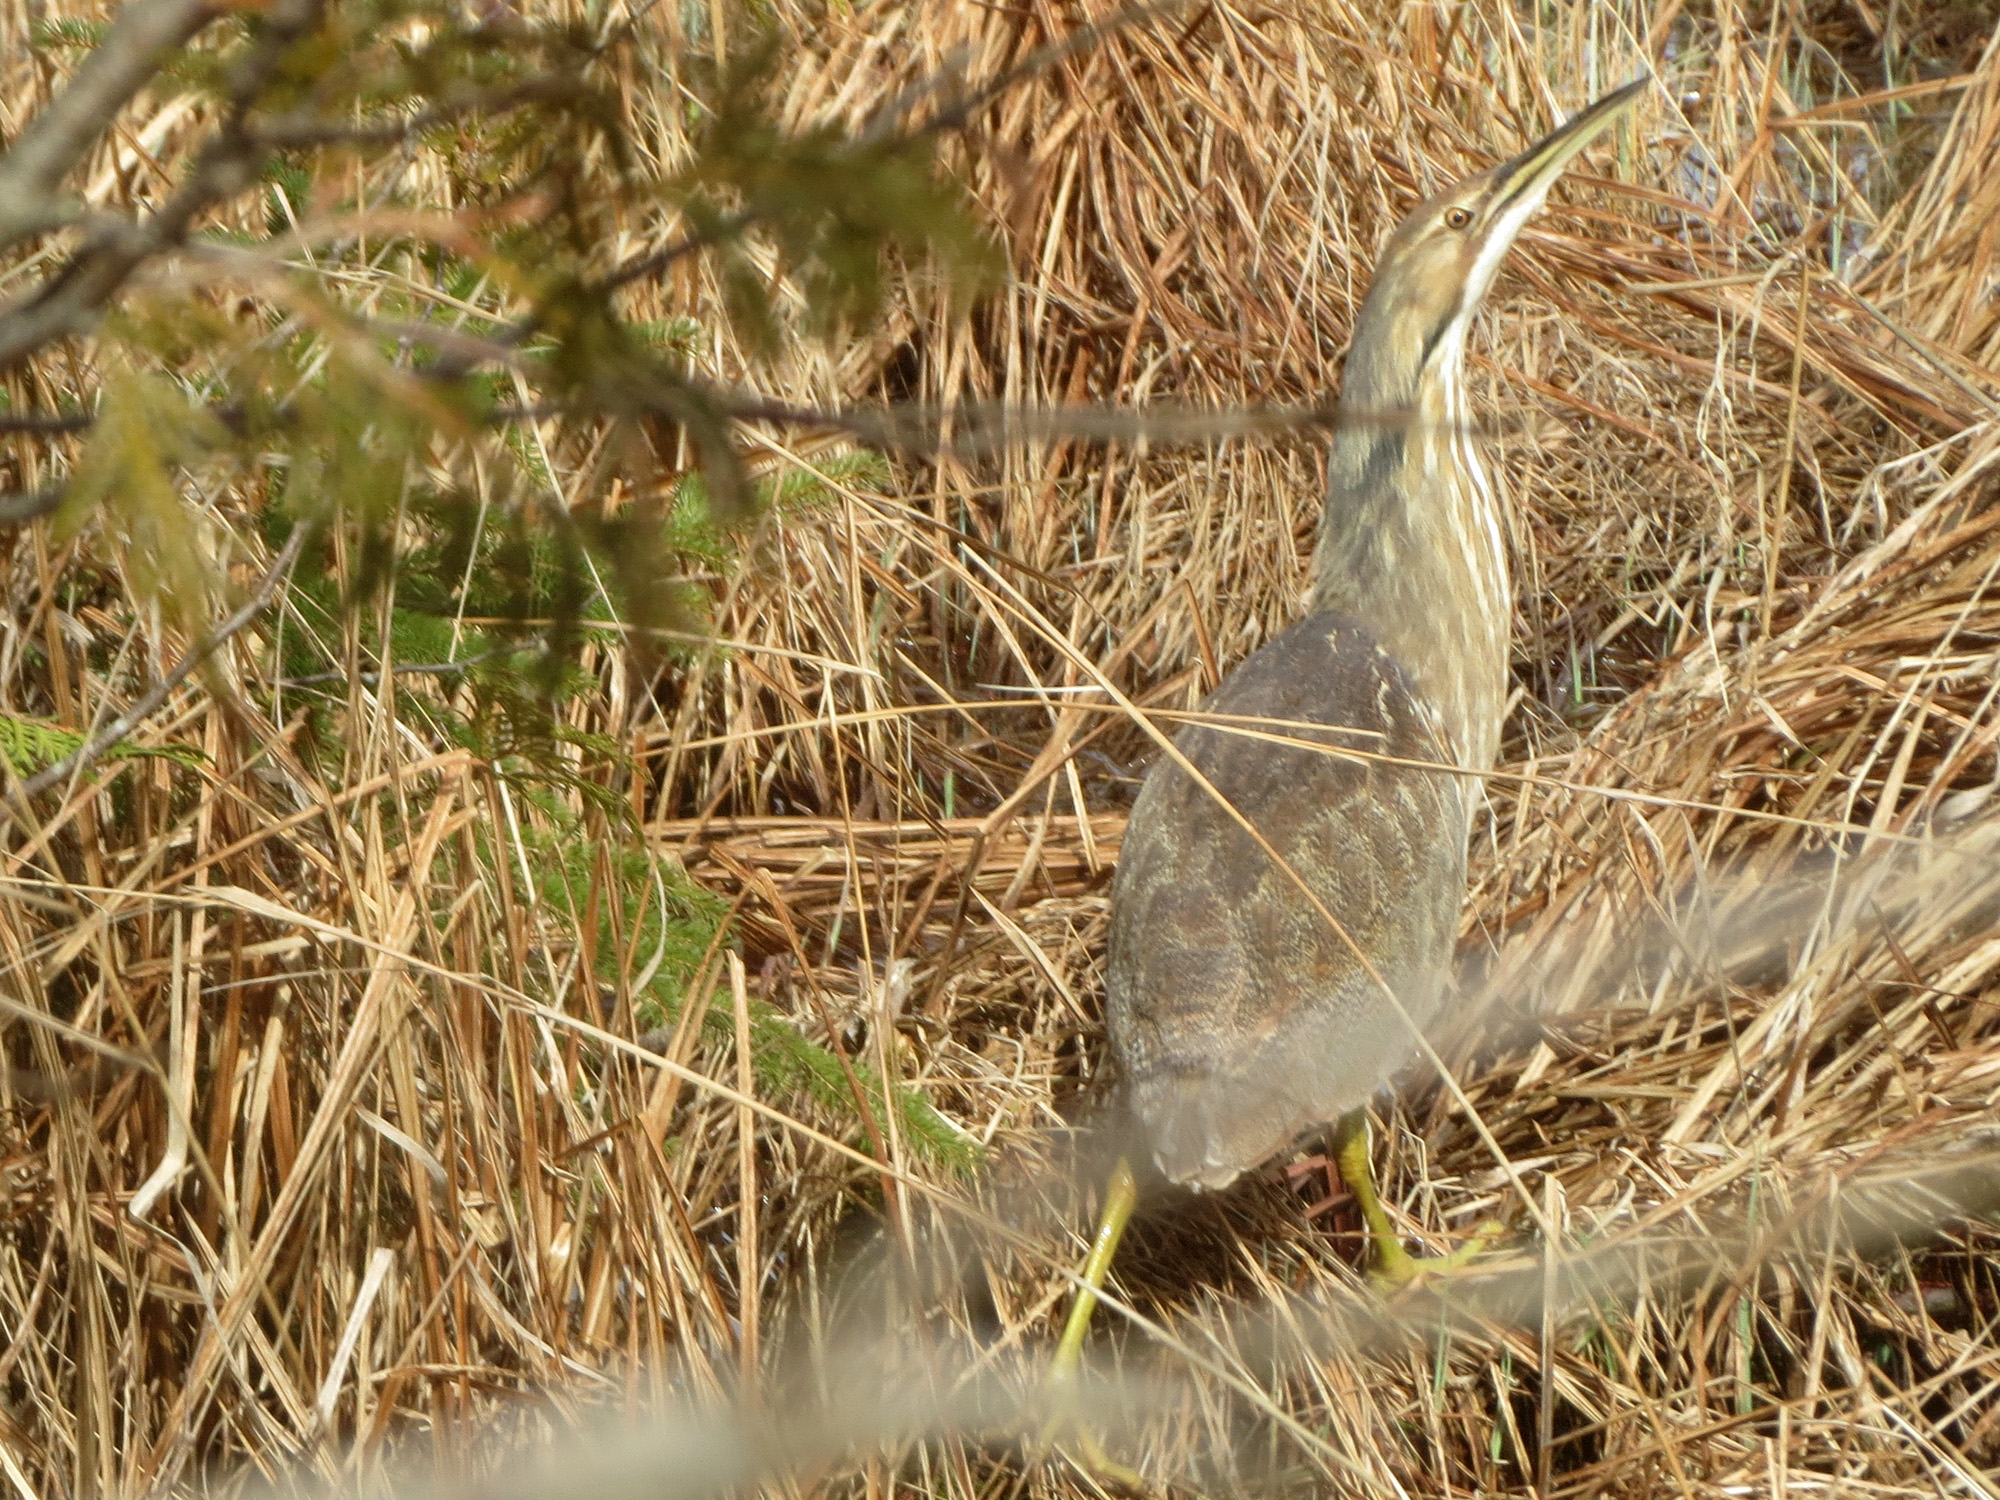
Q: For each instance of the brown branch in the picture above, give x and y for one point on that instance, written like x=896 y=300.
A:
x=982 y=427
x=29 y=505
x=96 y=747
x=70 y=301
x=968 y=430
x=299 y=131
x=47 y=423
x=57 y=138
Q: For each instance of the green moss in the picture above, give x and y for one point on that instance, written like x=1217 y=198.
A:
x=691 y=525
x=678 y=922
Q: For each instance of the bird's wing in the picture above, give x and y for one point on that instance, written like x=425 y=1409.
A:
x=1239 y=1008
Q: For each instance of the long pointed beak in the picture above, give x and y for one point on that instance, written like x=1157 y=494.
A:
x=1530 y=174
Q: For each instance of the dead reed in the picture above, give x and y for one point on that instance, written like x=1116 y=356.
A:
x=318 y=1142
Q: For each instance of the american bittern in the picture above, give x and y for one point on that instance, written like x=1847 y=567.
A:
x=1261 y=983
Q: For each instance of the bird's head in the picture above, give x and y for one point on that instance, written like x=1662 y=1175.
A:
x=1443 y=256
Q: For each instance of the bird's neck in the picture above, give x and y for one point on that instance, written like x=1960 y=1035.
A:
x=1413 y=546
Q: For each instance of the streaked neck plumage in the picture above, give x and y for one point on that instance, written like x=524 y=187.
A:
x=1413 y=545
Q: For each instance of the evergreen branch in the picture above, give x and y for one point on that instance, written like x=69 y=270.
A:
x=27 y=745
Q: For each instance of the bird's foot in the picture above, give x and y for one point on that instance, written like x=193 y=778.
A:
x=1395 y=1268
x=1065 y=1430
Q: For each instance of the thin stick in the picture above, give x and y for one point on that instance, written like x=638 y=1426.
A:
x=1774 y=533
x=748 y=1275
x=100 y=744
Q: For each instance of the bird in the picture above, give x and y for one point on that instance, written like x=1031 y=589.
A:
x=1289 y=886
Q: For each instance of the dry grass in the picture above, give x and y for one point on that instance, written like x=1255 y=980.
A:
x=1734 y=909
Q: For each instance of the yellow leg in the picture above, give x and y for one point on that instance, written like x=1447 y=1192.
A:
x=1121 y=1194
x=1394 y=1266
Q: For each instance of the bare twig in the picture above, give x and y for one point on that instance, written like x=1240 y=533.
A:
x=973 y=428
x=69 y=301
x=299 y=131
x=51 y=423
x=985 y=427
x=29 y=505
x=402 y=669
x=94 y=749
x=56 y=139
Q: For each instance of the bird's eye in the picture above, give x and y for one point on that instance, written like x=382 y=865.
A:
x=1457 y=218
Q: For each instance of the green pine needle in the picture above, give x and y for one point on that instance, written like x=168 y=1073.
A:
x=32 y=745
